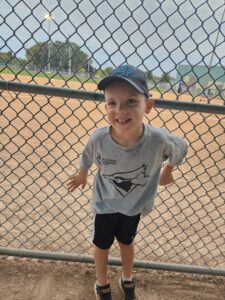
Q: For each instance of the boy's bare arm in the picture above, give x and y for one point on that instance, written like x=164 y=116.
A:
x=79 y=179
x=166 y=176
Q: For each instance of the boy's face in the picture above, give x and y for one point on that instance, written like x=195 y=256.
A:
x=125 y=108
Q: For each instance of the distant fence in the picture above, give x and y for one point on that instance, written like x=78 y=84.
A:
x=46 y=121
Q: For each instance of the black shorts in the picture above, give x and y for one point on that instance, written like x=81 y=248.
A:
x=106 y=227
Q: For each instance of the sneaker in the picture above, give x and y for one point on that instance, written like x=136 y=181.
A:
x=102 y=292
x=128 y=289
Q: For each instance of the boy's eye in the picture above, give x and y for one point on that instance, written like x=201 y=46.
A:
x=132 y=101
x=111 y=103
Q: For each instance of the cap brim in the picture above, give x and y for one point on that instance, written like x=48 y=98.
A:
x=106 y=81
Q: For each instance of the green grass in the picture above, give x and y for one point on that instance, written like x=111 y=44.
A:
x=57 y=76
x=23 y=72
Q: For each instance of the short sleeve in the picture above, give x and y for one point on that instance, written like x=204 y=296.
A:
x=86 y=159
x=175 y=149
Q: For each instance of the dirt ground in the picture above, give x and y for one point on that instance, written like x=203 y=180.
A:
x=22 y=279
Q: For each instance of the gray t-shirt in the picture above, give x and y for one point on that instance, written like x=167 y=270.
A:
x=127 y=177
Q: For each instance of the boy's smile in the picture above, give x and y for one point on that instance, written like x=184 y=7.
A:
x=123 y=121
x=125 y=108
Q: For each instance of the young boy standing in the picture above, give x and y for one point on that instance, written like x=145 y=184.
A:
x=129 y=156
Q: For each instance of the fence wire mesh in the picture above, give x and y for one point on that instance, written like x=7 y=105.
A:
x=74 y=44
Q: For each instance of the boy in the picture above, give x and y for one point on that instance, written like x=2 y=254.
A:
x=129 y=156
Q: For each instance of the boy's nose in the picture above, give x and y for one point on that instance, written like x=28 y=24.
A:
x=121 y=107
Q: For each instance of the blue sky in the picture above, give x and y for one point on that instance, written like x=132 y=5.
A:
x=161 y=33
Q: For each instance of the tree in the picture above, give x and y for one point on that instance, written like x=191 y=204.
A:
x=18 y=61
x=6 y=57
x=38 y=54
x=108 y=70
x=100 y=73
x=166 y=77
x=149 y=75
x=103 y=73
x=63 y=55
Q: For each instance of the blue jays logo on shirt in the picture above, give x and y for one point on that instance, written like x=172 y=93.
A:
x=126 y=182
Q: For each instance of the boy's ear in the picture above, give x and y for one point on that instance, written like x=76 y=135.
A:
x=149 y=105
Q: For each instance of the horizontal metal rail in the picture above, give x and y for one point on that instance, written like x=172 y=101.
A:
x=87 y=95
x=50 y=255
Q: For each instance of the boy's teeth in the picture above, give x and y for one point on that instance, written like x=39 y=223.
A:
x=122 y=120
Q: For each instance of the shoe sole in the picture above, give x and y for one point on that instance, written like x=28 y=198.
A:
x=120 y=286
x=121 y=289
x=95 y=292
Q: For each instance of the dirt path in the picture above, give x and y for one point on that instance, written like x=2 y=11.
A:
x=43 y=280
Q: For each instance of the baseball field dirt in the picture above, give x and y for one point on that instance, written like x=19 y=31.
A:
x=23 y=279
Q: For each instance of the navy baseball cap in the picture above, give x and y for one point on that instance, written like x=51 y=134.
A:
x=130 y=74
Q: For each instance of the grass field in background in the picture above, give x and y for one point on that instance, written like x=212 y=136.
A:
x=45 y=74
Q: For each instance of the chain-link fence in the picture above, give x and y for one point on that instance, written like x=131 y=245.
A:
x=74 y=44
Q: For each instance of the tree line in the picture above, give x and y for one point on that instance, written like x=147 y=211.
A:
x=60 y=55
x=63 y=56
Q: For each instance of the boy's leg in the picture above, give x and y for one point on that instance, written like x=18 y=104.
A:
x=125 y=237
x=127 y=257
x=126 y=233
x=101 y=265
x=102 y=238
x=126 y=281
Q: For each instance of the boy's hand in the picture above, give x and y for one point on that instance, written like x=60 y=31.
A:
x=166 y=176
x=77 y=180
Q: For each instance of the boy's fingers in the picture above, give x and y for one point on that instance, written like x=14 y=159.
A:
x=72 y=188
x=73 y=184
x=70 y=181
x=70 y=185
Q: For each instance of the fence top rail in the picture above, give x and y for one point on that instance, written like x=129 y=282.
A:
x=88 y=95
